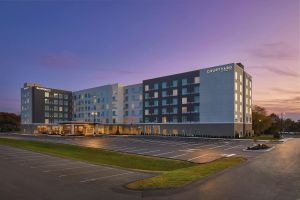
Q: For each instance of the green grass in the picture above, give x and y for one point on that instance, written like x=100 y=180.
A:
x=173 y=173
x=100 y=156
x=183 y=176
x=264 y=137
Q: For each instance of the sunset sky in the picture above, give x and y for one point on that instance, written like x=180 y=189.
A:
x=85 y=44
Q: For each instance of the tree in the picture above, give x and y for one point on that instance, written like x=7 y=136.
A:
x=260 y=121
x=9 y=122
x=276 y=124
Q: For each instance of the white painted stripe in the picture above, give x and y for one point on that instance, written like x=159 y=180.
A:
x=217 y=147
x=179 y=155
x=233 y=147
x=103 y=177
x=150 y=151
x=197 y=157
x=56 y=170
x=61 y=164
x=160 y=154
x=85 y=172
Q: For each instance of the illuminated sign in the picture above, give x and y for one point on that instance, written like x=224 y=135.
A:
x=219 y=69
x=44 y=89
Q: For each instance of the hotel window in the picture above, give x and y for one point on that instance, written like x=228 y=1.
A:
x=66 y=109
x=155 y=111
x=156 y=86
x=250 y=84
x=146 y=95
x=196 y=99
x=46 y=107
x=46 y=121
x=175 y=120
x=184 y=81
x=66 y=115
x=241 y=98
x=55 y=108
x=60 y=102
x=196 y=109
x=164 y=85
x=184 y=118
x=235 y=75
x=235 y=118
x=197 y=79
x=156 y=103
x=164 y=119
x=250 y=93
x=235 y=107
x=66 y=103
x=174 y=101
x=55 y=95
x=241 y=88
x=146 y=87
x=184 y=91
x=155 y=94
x=55 y=102
x=60 y=108
x=235 y=86
x=46 y=94
x=196 y=89
x=175 y=110
x=174 y=83
x=60 y=96
x=235 y=96
x=66 y=96
x=164 y=111
x=164 y=93
x=184 y=100
x=164 y=102
x=146 y=103
x=60 y=115
x=184 y=109
x=46 y=114
x=241 y=78
x=241 y=108
x=175 y=92
x=55 y=115
x=46 y=101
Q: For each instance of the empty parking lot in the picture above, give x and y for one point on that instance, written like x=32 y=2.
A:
x=30 y=175
x=197 y=150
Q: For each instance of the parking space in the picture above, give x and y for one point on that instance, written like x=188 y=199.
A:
x=198 y=150
x=66 y=170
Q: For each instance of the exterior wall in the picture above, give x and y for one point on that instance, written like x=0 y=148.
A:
x=172 y=99
x=247 y=104
x=217 y=94
x=45 y=105
x=104 y=104
x=133 y=104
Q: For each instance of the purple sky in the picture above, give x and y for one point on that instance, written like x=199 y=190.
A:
x=79 y=45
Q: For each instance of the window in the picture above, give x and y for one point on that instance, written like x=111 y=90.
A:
x=184 y=81
x=184 y=91
x=55 y=95
x=55 y=108
x=235 y=107
x=156 y=103
x=146 y=87
x=164 y=111
x=235 y=86
x=164 y=85
x=164 y=93
x=241 y=108
x=164 y=102
x=241 y=98
x=60 y=102
x=197 y=79
x=184 y=109
x=66 y=103
x=175 y=110
x=146 y=103
x=46 y=94
x=196 y=99
x=66 y=115
x=196 y=89
x=60 y=108
x=155 y=111
x=46 y=107
x=184 y=118
x=184 y=100
x=66 y=109
x=235 y=75
x=235 y=96
x=60 y=96
x=146 y=112
x=241 y=88
x=164 y=119
x=155 y=94
x=175 y=92
x=55 y=102
x=46 y=101
x=146 y=95
x=156 y=86
x=46 y=114
x=241 y=78
x=55 y=115
x=60 y=115
x=174 y=83
x=46 y=121
x=196 y=109
x=174 y=101
x=66 y=96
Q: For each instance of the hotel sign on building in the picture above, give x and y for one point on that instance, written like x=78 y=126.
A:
x=219 y=69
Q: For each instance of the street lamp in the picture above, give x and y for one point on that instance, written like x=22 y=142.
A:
x=94 y=115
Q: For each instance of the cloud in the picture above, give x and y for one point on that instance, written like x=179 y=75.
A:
x=271 y=51
x=278 y=71
x=285 y=91
x=60 y=60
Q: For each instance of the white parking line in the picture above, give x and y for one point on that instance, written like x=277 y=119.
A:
x=85 y=172
x=103 y=177
x=160 y=154
x=233 y=147
x=61 y=164
x=179 y=155
x=217 y=147
x=150 y=151
x=57 y=170
x=197 y=157
x=138 y=150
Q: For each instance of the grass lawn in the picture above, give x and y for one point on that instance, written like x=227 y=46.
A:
x=183 y=176
x=173 y=173
x=265 y=137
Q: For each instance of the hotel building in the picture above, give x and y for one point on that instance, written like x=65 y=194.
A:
x=103 y=104
x=45 y=105
x=209 y=102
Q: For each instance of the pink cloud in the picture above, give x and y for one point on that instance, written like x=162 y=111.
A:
x=60 y=60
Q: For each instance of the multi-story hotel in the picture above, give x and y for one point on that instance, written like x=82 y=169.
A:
x=133 y=104
x=209 y=102
x=102 y=104
x=45 y=105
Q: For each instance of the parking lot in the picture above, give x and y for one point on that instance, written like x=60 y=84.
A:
x=198 y=150
x=26 y=174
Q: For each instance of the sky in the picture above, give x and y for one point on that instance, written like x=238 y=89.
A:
x=83 y=44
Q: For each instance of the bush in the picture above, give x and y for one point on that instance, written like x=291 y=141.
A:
x=277 y=135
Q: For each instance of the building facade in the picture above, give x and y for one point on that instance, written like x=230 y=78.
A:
x=102 y=104
x=209 y=102
x=133 y=104
x=45 y=105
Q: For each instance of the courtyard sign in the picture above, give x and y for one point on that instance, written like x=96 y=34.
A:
x=219 y=69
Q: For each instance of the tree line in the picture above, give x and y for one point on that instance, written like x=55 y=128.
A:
x=262 y=123
x=9 y=122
